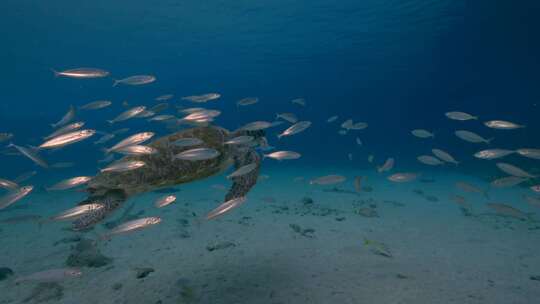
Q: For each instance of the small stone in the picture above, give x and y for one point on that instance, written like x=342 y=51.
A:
x=117 y=286
x=535 y=278
x=368 y=212
x=218 y=246
x=340 y=219
x=5 y=273
x=307 y=201
x=401 y=276
x=143 y=272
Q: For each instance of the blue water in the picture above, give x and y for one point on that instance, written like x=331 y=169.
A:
x=397 y=65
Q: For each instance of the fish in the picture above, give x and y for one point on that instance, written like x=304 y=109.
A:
x=120 y=131
x=471 y=188
x=240 y=140
x=421 y=133
x=67 y=139
x=133 y=225
x=202 y=115
x=444 y=156
x=66 y=129
x=125 y=104
x=202 y=98
x=198 y=154
x=493 y=153
x=109 y=158
x=502 y=125
x=471 y=137
x=159 y=107
x=378 y=248
x=162 y=117
x=455 y=115
x=256 y=125
x=299 y=101
x=4 y=136
x=14 y=196
x=131 y=140
x=461 y=201
x=226 y=207
x=298 y=179
x=25 y=176
x=530 y=153
x=290 y=117
x=513 y=170
x=69 y=116
x=62 y=165
x=358 y=184
x=103 y=139
x=135 y=80
x=328 y=180
x=295 y=129
x=509 y=181
x=535 y=188
x=77 y=212
x=165 y=201
x=370 y=158
x=342 y=132
x=403 y=177
x=387 y=166
x=70 y=183
x=358 y=141
x=350 y=156
x=81 y=73
x=359 y=126
x=429 y=160
x=128 y=114
x=283 y=155
x=332 y=119
x=506 y=210
x=33 y=155
x=7 y=184
x=123 y=166
x=191 y=110
x=243 y=170
x=51 y=275
x=136 y=150
x=247 y=101
x=164 y=97
x=145 y=114
x=533 y=201
x=347 y=124
x=96 y=105
x=187 y=142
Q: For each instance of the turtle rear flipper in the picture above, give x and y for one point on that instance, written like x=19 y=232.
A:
x=242 y=184
x=111 y=201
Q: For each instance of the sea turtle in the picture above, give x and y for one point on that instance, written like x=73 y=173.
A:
x=164 y=170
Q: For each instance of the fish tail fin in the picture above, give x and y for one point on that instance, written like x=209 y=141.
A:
x=56 y=73
x=488 y=141
x=265 y=156
x=474 y=118
x=279 y=136
x=115 y=82
x=53 y=125
x=110 y=121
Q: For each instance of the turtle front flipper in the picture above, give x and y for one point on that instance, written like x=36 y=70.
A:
x=242 y=184
x=111 y=201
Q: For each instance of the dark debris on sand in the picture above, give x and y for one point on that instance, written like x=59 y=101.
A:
x=5 y=273
x=86 y=254
x=307 y=232
x=143 y=272
x=219 y=246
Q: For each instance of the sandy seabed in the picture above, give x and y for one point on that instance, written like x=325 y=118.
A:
x=280 y=247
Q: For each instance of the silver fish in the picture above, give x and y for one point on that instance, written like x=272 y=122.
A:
x=198 y=154
x=67 y=139
x=328 y=180
x=506 y=210
x=134 y=225
x=530 y=153
x=347 y=124
x=120 y=131
x=103 y=139
x=240 y=140
x=145 y=114
x=128 y=114
x=370 y=158
x=33 y=155
x=358 y=141
x=52 y=275
x=256 y=125
x=70 y=183
x=387 y=166
x=191 y=110
x=132 y=140
x=159 y=107
x=124 y=166
x=7 y=184
x=470 y=188
x=109 y=158
x=243 y=170
x=96 y=105
x=535 y=188
x=202 y=115
x=76 y=212
x=493 y=153
x=299 y=101
x=187 y=142
x=25 y=176
x=66 y=129
x=402 y=177
x=513 y=170
x=62 y=165
x=296 y=128
x=164 y=97
x=429 y=160
x=12 y=197
x=165 y=201
x=247 y=101
x=533 y=201
x=225 y=207
x=460 y=116
x=502 y=125
x=135 y=80
x=202 y=98
x=509 y=181
x=332 y=118
x=290 y=117
x=444 y=156
x=359 y=126
x=283 y=155
x=162 y=117
x=82 y=73
x=136 y=150
x=421 y=133
x=66 y=118
x=471 y=137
